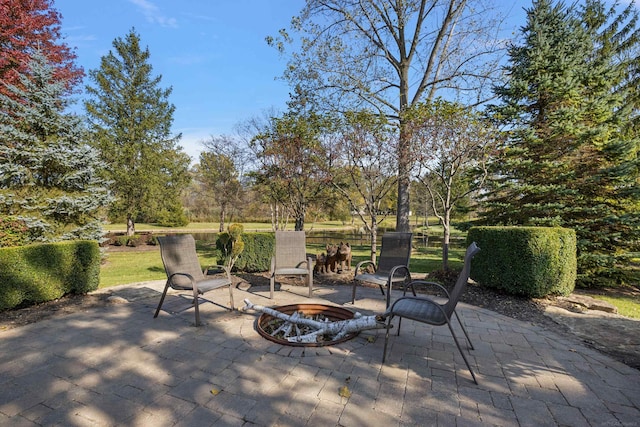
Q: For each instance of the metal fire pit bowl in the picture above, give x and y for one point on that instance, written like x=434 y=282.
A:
x=330 y=312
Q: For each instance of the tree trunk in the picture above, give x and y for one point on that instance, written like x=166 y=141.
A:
x=425 y=239
x=374 y=238
x=404 y=166
x=222 y=211
x=445 y=239
x=131 y=227
x=273 y=217
x=336 y=329
x=299 y=225
x=426 y=214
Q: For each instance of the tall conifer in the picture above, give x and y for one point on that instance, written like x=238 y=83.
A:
x=49 y=177
x=130 y=118
x=567 y=160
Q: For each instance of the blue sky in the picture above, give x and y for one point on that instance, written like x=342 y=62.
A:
x=213 y=54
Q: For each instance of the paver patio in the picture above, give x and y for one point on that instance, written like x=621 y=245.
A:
x=116 y=365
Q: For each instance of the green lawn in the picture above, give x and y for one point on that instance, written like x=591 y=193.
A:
x=121 y=268
x=138 y=266
x=248 y=227
x=628 y=305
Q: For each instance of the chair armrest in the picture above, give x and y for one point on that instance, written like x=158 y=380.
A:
x=194 y=284
x=395 y=272
x=425 y=282
x=364 y=263
x=397 y=269
x=307 y=262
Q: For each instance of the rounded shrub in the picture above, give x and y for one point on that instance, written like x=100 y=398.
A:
x=527 y=261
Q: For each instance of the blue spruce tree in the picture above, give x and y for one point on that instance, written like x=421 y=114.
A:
x=49 y=176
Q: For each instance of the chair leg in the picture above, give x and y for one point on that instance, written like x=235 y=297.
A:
x=386 y=339
x=164 y=293
x=413 y=289
x=388 y=294
x=196 y=305
x=272 y=285
x=311 y=284
x=353 y=292
x=455 y=339
x=464 y=330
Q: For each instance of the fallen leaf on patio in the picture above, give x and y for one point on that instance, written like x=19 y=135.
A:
x=371 y=338
x=215 y=391
x=344 y=392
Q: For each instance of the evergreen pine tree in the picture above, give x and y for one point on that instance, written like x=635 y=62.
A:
x=130 y=119
x=567 y=160
x=49 y=177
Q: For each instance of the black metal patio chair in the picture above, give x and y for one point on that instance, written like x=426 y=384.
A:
x=392 y=268
x=426 y=310
x=290 y=259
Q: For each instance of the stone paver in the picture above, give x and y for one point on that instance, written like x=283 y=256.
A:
x=117 y=365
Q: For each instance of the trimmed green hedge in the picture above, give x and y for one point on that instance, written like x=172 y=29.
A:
x=37 y=273
x=258 y=250
x=527 y=261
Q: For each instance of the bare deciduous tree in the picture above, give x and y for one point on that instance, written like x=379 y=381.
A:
x=390 y=55
x=292 y=162
x=219 y=170
x=364 y=172
x=451 y=145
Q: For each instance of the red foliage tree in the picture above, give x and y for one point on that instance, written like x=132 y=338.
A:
x=27 y=26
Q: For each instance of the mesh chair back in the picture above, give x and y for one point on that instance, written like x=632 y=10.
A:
x=463 y=278
x=179 y=256
x=396 y=250
x=291 y=250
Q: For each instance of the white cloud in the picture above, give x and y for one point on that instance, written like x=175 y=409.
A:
x=81 y=38
x=153 y=14
x=200 y=17
x=76 y=36
x=192 y=139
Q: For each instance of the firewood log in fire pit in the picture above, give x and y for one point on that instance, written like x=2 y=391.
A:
x=316 y=329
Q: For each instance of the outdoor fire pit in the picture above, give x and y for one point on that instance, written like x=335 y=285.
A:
x=267 y=324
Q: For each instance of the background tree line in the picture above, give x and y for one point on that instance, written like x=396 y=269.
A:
x=389 y=101
x=559 y=147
